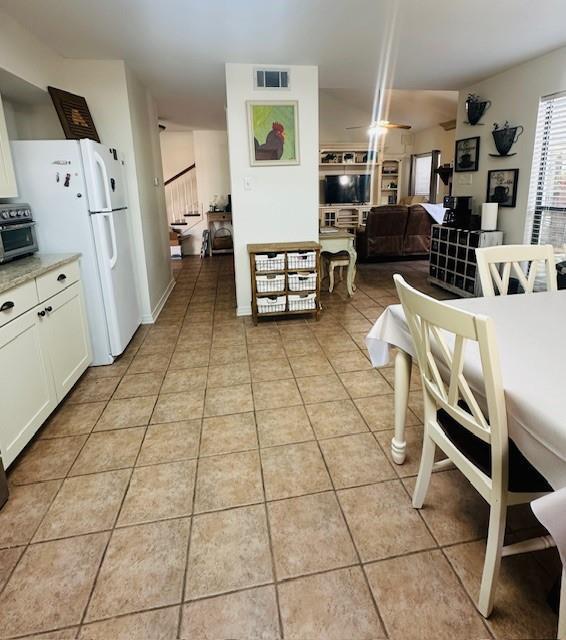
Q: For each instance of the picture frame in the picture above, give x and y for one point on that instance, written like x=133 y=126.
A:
x=74 y=115
x=273 y=132
x=502 y=187
x=467 y=155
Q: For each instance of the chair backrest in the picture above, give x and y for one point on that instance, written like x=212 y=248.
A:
x=441 y=336
x=347 y=219
x=498 y=264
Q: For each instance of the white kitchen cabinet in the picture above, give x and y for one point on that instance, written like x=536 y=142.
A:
x=43 y=352
x=27 y=392
x=8 y=186
x=65 y=337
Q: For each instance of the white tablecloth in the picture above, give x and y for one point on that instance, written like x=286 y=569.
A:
x=531 y=339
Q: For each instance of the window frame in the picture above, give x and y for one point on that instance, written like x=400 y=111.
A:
x=551 y=107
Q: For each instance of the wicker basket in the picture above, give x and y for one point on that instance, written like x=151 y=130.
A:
x=302 y=281
x=271 y=304
x=301 y=260
x=302 y=302
x=222 y=239
x=272 y=282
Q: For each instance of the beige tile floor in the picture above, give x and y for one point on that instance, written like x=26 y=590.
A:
x=223 y=480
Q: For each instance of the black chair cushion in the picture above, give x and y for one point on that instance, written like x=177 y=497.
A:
x=523 y=477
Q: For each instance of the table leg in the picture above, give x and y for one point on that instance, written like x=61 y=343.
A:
x=403 y=363
x=350 y=286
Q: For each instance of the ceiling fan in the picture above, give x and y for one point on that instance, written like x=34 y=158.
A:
x=378 y=125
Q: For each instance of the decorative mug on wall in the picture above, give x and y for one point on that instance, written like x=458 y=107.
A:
x=505 y=137
x=475 y=108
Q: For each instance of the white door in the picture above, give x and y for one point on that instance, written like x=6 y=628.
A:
x=27 y=394
x=104 y=175
x=64 y=332
x=8 y=187
x=112 y=240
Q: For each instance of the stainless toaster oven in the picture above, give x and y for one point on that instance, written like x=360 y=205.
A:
x=17 y=231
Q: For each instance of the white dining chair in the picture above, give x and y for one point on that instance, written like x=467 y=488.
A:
x=497 y=264
x=469 y=427
x=550 y=511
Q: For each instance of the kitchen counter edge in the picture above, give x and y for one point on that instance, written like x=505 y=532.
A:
x=19 y=271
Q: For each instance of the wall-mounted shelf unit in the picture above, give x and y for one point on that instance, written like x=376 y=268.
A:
x=389 y=182
x=332 y=157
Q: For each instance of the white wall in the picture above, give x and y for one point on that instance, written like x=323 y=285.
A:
x=213 y=174
x=151 y=198
x=177 y=152
x=515 y=95
x=435 y=138
x=335 y=115
x=123 y=117
x=282 y=203
x=209 y=151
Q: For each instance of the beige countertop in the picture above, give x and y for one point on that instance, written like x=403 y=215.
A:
x=22 y=270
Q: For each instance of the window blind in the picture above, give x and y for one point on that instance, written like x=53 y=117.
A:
x=546 y=212
x=422 y=173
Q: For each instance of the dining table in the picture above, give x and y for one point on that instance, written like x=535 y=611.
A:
x=531 y=343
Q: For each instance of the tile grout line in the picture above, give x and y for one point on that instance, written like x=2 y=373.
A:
x=266 y=514
x=193 y=501
x=335 y=493
x=181 y=324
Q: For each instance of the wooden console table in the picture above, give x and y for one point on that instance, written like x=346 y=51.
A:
x=337 y=242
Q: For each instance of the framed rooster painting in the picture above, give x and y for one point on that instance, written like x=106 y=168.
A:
x=273 y=132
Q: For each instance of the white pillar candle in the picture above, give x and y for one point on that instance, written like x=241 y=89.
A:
x=489 y=216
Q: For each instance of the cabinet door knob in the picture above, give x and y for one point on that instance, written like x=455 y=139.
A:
x=7 y=306
x=61 y=277
x=48 y=309
x=41 y=313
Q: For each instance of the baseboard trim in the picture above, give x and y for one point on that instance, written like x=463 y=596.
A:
x=150 y=319
x=244 y=311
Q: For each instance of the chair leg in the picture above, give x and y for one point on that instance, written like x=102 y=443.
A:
x=562 y=608
x=330 y=278
x=496 y=532
x=340 y=274
x=425 y=471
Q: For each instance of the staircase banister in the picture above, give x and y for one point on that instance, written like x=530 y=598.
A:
x=179 y=175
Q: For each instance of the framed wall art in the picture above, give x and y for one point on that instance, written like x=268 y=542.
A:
x=74 y=115
x=502 y=187
x=467 y=154
x=273 y=132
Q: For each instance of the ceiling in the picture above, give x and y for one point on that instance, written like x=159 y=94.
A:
x=420 y=109
x=178 y=47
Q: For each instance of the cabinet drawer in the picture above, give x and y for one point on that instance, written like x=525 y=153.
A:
x=17 y=301
x=54 y=281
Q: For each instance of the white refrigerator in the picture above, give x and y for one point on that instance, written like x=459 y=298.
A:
x=78 y=198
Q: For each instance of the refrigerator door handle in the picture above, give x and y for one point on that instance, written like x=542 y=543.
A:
x=100 y=162
x=114 y=257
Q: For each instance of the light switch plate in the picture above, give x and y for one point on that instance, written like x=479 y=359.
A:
x=465 y=178
x=247 y=183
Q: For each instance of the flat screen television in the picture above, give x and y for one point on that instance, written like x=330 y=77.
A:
x=347 y=189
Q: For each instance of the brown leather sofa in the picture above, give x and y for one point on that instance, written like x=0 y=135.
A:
x=395 y=231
